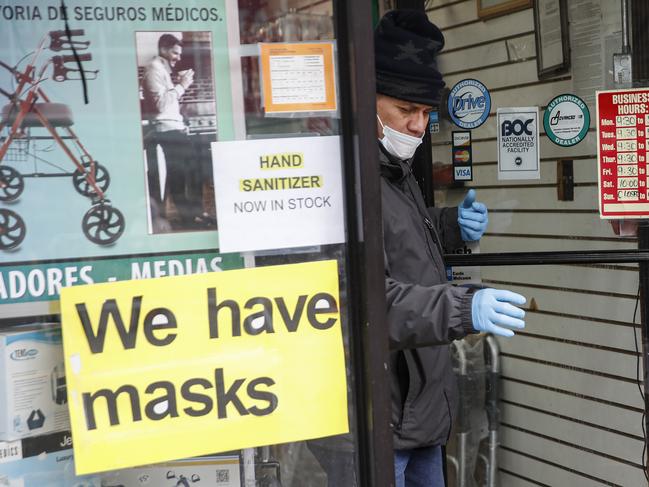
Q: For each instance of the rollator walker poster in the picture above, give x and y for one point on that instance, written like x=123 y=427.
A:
x=107 y=114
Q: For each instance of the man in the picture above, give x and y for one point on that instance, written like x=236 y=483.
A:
x=425 y=313
x=161 y=106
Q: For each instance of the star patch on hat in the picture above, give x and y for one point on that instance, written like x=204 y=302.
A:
x=406 y=45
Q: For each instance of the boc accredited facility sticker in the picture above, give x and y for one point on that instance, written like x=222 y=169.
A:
x=469 y=103
x=518 y=143
x=566 y=120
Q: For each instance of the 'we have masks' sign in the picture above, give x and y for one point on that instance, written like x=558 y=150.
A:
x=177 y=367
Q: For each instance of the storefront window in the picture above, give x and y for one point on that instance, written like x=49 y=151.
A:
x=146 y=150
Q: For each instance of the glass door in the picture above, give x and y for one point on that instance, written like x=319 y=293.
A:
x=204 y=168
x=563 y=138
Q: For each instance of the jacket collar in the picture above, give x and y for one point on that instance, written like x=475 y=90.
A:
x=392 y=168
x=164 y=62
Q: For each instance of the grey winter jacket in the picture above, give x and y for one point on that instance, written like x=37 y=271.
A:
x=425 y=313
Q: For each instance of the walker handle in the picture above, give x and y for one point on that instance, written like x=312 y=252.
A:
x=60 y=41
x=62 y=33
x=82 y=57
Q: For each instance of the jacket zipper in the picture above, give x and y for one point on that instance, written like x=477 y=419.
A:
x=429 y=225
x=408 y=400
x=450 y=417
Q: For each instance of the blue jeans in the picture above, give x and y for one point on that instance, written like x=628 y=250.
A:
x=420 y=467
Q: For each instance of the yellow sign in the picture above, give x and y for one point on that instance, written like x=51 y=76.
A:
x=298 y=77
x=178 y=367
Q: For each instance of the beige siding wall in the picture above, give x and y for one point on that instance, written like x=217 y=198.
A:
x=571 y=409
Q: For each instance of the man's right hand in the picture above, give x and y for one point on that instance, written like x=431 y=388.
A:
x=186 y=78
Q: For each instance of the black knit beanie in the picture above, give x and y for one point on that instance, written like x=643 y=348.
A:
x=406 y=44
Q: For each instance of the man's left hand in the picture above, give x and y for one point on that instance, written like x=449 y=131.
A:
x=472 y=218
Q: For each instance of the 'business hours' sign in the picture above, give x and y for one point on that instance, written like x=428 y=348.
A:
x=182 y=366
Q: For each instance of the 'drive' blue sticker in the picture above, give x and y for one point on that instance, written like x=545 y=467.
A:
x=469 y=103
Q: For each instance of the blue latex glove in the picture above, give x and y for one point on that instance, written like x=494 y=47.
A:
x=491 y=311
x=472 y=218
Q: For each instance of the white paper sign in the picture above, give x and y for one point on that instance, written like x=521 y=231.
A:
x=278 y=193
x=298 y=79
x=518 y=143
x=465 y=275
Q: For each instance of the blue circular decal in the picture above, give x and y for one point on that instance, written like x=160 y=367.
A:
x=469 y=104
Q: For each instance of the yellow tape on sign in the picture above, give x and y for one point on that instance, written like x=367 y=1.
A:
x=177 y=367
x=274 y=184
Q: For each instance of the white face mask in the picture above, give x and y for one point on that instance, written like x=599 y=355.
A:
x=400 y=145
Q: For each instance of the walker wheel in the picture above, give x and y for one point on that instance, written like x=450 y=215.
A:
x=102 y=224
x=80 y=179
x=11 y=183
x=12 y=229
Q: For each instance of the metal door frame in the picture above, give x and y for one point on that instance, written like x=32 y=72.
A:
x=639 y=256
x=368 y=331
x=368 y=337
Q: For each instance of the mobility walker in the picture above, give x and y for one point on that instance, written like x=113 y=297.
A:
x=470 y=445
x=29 y=112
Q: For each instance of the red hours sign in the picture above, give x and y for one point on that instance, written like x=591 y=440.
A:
x=622 y=138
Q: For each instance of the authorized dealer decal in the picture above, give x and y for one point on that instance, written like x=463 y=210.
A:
x=566 y=120
x=469 y=103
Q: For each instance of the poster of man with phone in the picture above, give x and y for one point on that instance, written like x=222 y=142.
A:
x=173 y=154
